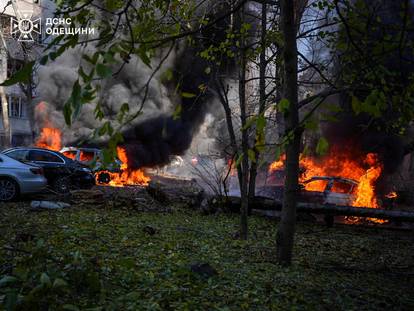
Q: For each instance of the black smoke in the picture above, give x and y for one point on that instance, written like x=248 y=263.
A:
x=154 y=141
x=384 y=22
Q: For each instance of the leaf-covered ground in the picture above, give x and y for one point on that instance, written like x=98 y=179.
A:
x=119 y=259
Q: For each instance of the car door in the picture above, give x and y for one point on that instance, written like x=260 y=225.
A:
x=52 y=164
x=315 y=190
x=340 y=193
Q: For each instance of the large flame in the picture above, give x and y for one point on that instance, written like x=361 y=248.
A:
x=339 y=163
x=127 y=176
x=49 y=137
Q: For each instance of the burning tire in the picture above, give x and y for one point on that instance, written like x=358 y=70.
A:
x=103 y=178
x=9 y=189
x=61 y=184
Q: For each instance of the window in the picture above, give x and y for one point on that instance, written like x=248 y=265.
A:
x=342 y=187
x=19 y=155
x=86 y=156
x=71 y=154
x=14 y=107
x=316 y=185
x=44 y=156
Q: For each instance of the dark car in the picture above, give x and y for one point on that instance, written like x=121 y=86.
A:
x=62 y=173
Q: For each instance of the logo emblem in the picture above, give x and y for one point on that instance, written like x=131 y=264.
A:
x=24 y=26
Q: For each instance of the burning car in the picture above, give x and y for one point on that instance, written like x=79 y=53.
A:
x=61 y=173
x=92 y=157
x=329 y=190
x=318 y=189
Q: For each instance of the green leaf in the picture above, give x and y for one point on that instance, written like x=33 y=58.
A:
x=249 y=123
x=322 y=146
x=103 y=71
x=188 y=95
x=284 y=105
x=260 y=123
x=239 y=159
x=177 y=112
x=143 y=55
x=311 y=124
x=252 y=155
x=21 y=76
x=122 y=112
x=67 y=113
x=43 y=60
x=73 y=106
x=167 y=75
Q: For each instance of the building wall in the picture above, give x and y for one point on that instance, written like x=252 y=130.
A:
x=20 y=123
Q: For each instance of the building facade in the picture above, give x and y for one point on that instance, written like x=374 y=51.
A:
x=16 y=49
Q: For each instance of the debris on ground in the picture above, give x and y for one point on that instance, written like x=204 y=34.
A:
x=49 y=205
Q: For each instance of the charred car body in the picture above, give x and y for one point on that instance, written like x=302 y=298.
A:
x=93 y=158
x=318 y=189
x=62 y=173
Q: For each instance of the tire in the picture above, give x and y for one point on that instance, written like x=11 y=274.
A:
x=103 y=178
x=9 y=189
x=62 y=184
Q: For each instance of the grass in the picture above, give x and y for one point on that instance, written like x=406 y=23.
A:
x=104 y=259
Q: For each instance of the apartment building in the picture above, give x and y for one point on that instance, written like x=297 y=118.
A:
x=16 y=49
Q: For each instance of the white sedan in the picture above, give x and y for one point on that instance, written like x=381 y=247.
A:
x=19 y=178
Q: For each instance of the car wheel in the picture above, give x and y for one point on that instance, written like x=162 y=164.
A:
x=61 y=184
x=9 y=189
x=103 y=178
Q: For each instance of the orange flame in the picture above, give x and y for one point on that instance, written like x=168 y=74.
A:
x=50 y=138
x=343 y=164
x=392 y=195
x=127 y=176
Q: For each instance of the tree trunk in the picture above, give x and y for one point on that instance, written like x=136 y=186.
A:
x=245 y=144
x=262 y=99
x=286 y=230
x=224 y=100
x=5 y=118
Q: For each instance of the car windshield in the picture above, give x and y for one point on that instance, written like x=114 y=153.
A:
x=342 y=187
x=86 y=156
x=316 y=185
x=71 y=154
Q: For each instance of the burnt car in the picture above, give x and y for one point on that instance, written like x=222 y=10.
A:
x=329 y=190
x=318 y=189
x=93 y=158
x=62 y=173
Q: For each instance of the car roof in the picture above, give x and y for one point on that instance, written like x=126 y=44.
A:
x=80 y=148
x=352 y=181
x=30 y=148
x=39 y=149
